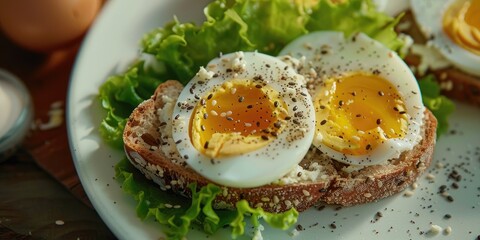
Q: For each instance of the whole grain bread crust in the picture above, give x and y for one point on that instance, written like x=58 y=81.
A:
x=142 y=141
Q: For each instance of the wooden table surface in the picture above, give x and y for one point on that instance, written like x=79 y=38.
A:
x=40 y=194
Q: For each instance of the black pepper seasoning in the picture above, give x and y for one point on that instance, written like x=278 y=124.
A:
x=300 y=227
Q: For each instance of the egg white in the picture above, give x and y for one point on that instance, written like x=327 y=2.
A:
x=391 y=7
x=328 y=54
x=264 y=165
x=429 y=16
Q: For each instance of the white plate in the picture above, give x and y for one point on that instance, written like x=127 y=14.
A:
x=113 y=42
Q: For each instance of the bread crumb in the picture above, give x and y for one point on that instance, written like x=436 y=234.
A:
x=238 y=62
x=55 y=117
x=306 y=193
x=447 y=230
x=435 y=229
x=421 y=165
x=439 y=165
x=204 y=74
x=294 y=233
x=408 y=193
x=446 y=85
x=299 y=174
x=414 y=186
x=257 y=235
x=430 y=177
x=370 y=178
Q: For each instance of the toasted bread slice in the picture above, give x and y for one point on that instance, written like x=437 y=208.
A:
x=150 y=148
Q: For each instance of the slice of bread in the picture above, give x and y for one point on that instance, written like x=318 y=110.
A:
x=454 y=83
x=149 y=148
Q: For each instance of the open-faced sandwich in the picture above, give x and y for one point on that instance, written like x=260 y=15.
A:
x=274 y=106
x=249 y=121
x=446 y=43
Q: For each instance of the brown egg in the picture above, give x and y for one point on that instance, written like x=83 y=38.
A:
x=46 y=25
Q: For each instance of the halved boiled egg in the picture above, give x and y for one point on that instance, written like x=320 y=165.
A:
x=367 y=102
x=452 y=27
x=245 y=120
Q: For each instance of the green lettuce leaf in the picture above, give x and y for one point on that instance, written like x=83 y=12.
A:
x=441 y=106
x=278 y=220
x=174 y=212
x=242 y=25
x=120 y=94
x=178 y=213
x=355 y=16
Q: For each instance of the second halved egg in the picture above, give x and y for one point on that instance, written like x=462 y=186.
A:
x=453 y=28
x=367 y=102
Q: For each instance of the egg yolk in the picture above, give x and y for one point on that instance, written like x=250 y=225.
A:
x=462 y=24
x=237 y=117
x=357 y=112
